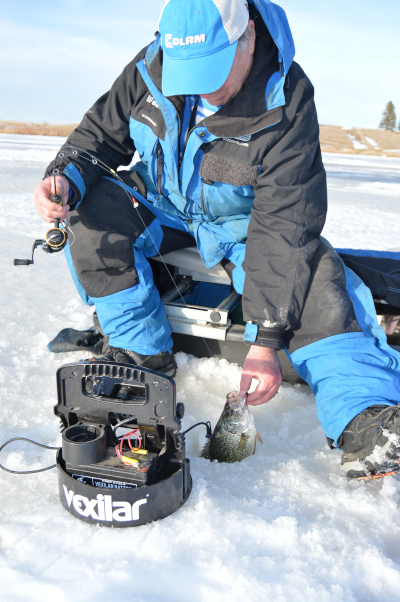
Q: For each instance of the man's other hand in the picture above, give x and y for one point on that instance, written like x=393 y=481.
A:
x=48 y=210
x=261 y=363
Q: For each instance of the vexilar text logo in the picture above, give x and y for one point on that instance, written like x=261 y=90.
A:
x=103 y=508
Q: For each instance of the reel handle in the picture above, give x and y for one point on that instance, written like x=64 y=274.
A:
x=38 y=243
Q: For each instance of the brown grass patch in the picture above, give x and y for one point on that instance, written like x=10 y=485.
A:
x=386 y=140
x=335 y=139
x=37 y=129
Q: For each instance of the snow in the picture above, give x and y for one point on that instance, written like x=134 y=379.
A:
x=357 y=145
x=284 y=524
x=372 y=142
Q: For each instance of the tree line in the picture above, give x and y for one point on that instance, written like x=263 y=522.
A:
x=389 y=120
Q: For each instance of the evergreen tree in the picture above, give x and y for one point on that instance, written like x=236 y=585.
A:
x=388 y=121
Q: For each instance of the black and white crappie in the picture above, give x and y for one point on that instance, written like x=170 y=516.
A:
x=235 y=434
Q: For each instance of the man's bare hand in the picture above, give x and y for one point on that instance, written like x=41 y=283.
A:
x=261 y=363
x=48 y=210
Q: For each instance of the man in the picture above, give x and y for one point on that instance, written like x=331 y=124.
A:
x=226 y=129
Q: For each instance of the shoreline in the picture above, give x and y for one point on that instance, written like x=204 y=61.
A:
x=333 y=139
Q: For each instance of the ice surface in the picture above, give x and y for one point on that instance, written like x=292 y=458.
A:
x=284 y=524
x=364 y=202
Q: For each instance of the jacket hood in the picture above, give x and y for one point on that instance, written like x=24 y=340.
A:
x=277 y=24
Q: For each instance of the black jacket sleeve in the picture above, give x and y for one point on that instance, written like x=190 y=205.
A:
x=287 y=217
x=103 y=131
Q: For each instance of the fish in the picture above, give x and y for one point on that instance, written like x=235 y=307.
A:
x=235 y=434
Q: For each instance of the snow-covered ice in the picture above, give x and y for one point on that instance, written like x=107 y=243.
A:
x=364 y=202
x=284 y=524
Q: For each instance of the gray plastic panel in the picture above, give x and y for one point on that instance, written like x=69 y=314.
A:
x=90 y=390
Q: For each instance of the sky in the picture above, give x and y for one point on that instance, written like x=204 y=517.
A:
x=57 y=58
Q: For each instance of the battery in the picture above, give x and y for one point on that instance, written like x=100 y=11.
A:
x=112 y=473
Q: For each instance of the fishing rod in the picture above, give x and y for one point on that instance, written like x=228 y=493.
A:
x=56 y=238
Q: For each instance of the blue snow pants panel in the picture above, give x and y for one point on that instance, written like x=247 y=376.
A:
x=135 y=318
x=352 y=371
x=113 y=240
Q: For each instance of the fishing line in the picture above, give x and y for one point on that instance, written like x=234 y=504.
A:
x=70 y=244
x=91 y=159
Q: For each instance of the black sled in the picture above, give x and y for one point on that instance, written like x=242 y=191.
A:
x=211 y=322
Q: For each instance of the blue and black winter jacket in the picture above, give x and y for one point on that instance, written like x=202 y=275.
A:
x=251 y=173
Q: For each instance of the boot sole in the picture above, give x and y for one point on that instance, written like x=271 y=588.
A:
x=382 y=462
x=169 y=370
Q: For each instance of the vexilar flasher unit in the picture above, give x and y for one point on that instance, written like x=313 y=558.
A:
x=122 y=461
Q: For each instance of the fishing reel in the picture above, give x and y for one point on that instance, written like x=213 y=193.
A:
x=54 y=241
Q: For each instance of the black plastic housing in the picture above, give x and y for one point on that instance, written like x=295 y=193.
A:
x=94 y=484
x=84 y=444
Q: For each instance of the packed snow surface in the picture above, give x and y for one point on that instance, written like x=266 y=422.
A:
x=284 y=524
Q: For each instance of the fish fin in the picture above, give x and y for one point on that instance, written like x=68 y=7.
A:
x=258 y=436
x=206 y=451
x=243 y=441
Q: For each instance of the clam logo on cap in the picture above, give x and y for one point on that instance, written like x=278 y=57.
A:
x=170 y=41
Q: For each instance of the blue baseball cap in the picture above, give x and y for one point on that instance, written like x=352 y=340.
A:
x=199 y=40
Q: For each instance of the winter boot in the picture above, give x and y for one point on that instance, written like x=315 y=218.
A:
x=371 y=443
x=69 y=339
x=161 y=362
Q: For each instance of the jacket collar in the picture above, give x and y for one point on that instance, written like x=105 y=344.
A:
x=246 y=113
x=155 y=70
